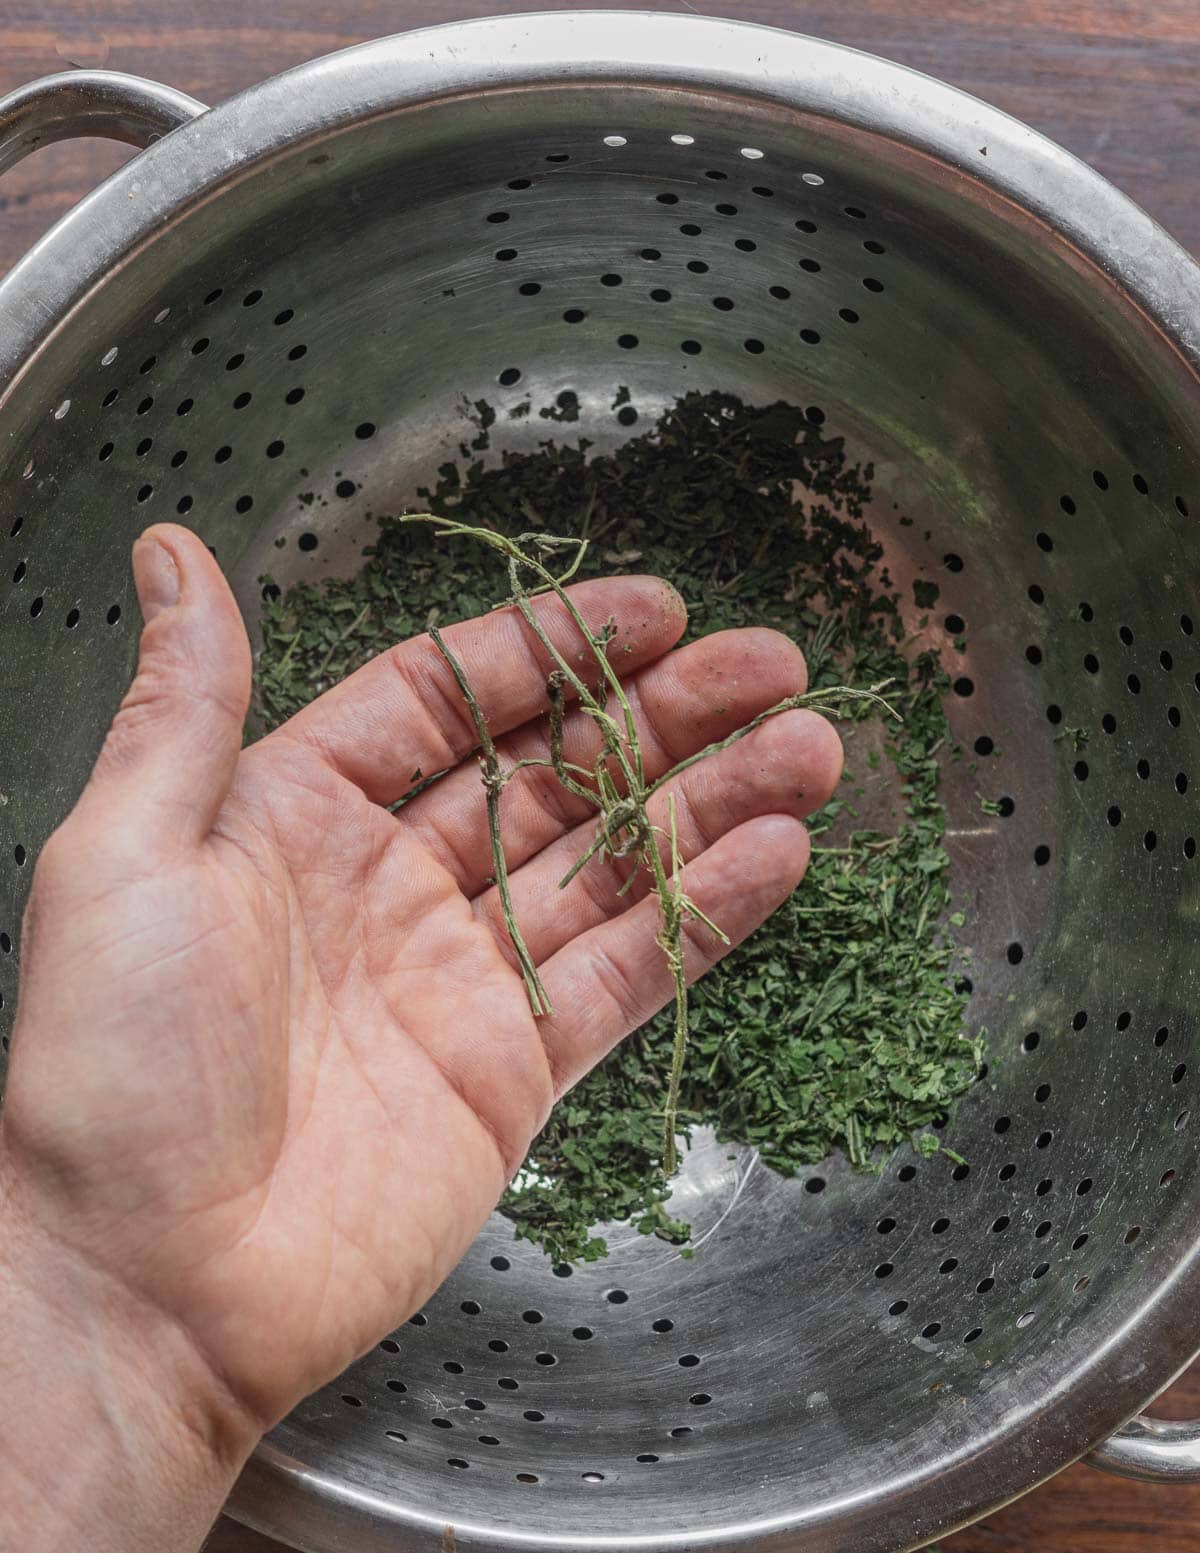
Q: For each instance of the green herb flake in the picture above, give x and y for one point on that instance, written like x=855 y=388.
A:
x=837 y=1025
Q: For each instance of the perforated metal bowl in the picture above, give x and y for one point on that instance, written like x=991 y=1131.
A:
x=267 y=325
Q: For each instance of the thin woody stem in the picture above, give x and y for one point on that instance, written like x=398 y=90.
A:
x=817 y=700
x=671 y=898
x=620 y=792
x=493 y=782
x=562 y=768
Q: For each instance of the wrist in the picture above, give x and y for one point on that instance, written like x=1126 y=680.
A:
x=120 y=1431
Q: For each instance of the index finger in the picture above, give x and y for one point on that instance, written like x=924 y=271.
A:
x=402 y=713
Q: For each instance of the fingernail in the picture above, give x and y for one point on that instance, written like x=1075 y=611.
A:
x=155 y=576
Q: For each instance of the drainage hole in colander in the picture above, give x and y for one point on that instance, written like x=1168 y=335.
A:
x=351 y=1400
x=700 y=1399
x=816 y=1184
x=931 y=1330
x=1044 y=1140
x=1132 y=1234
x=1006 y=1172
x=897 y=1307
x=456 y=1461
x=498 y=1345
x=1166 y=1178
x=487 y=1439
x=441 y=1423
x=390 y=1345
x=582 y=1334
x=1031 y=1042
x=114 y=614
x=397 y=1386
x=985 y=1285
x=507 y=1383
x=1043 y=1188
x=527 y=1477
x=452 y=1367
x=1182 y=1120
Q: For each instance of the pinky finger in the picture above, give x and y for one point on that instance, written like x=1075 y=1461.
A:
x=607 y=982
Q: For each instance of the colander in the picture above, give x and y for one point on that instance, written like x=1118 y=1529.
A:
x=273 y=323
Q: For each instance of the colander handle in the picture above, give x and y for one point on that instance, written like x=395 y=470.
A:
x=76 y=103
x=1153 y=1450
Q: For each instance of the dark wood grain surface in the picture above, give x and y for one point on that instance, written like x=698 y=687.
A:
x=1116 y=81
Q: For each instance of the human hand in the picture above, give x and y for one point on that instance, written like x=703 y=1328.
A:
x=273 y=1064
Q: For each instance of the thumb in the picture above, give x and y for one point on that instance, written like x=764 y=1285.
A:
x=169 y=758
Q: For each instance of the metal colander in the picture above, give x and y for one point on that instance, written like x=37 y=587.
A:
x=268 y=326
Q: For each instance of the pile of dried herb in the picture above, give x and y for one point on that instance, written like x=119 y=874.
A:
x=837 y=1026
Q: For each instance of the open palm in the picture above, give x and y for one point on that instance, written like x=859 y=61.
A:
x=273 y=1064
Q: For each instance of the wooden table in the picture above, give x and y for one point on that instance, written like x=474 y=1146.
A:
x=1116 y=81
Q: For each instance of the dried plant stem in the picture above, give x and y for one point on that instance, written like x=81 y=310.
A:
x=616 y=784
x=493 y=783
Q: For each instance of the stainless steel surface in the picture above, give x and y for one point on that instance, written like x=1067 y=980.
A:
x=371 y=241
x=75 y=103
x=1153 y=1450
